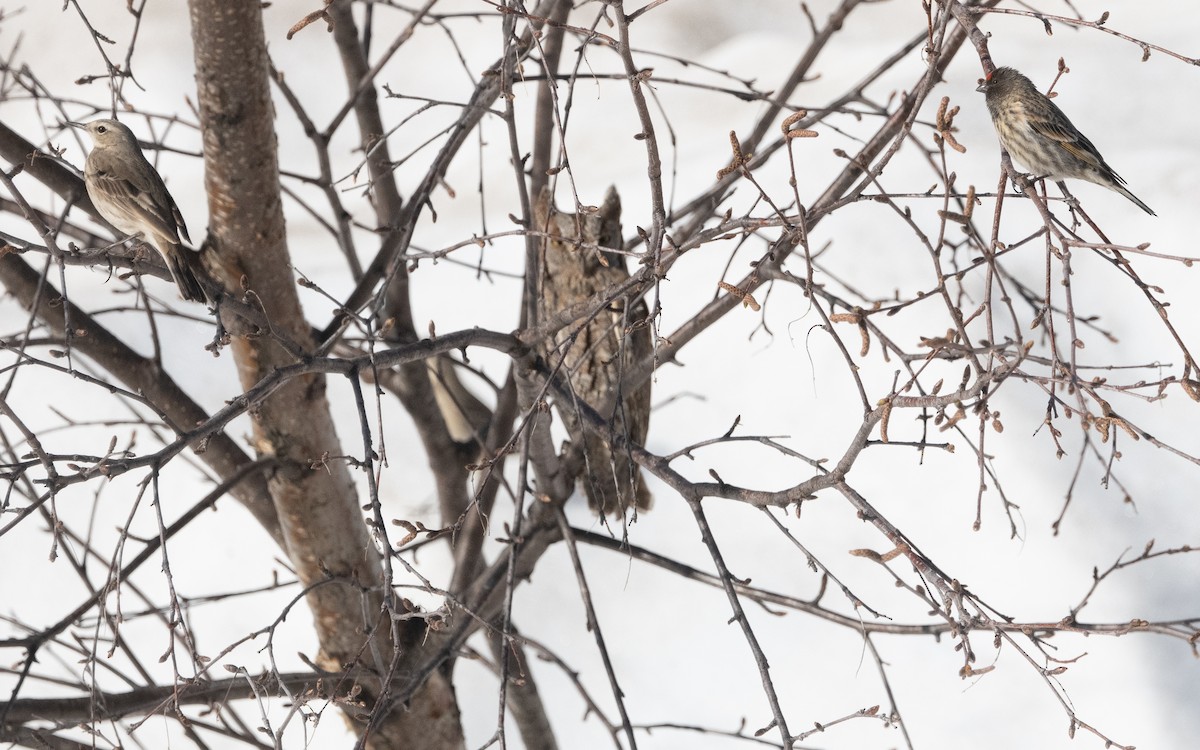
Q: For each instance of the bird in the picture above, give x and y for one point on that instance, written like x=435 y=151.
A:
x=1038 y=135
x=595 y=354
x=130 y=194
x=467 y=418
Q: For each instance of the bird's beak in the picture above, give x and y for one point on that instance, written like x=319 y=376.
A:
x=79 y=125
x=983 y=82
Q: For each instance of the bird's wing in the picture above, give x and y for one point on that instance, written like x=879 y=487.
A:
x=147 y=196
x=1060 y=130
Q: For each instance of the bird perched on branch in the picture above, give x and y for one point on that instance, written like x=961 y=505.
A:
x=1036 y=133
x=130 y=194
x=576 y=263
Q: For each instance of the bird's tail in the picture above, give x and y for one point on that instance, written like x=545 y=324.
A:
x=612 y=482
x=187 y=270
x=1138 y=201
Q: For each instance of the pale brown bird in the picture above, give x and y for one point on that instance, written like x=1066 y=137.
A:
x=1035 y=132
x=596 y=357
x=130 y=194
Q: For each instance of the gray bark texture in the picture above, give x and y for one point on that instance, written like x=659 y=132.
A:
x=326 y=540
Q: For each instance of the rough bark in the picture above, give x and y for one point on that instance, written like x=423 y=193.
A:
x=326 y=539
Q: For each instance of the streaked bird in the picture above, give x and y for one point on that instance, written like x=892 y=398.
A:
x=130 y=194
x=597 y=353
x=1036 y=133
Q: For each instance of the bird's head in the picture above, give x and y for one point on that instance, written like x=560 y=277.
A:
x=1000 y=79
x=107 y=132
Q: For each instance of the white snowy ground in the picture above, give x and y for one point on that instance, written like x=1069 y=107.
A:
x=681 y=661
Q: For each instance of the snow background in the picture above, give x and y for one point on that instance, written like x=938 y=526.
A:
x=678 y=658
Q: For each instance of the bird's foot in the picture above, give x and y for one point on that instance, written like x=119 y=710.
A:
x=1072 y=205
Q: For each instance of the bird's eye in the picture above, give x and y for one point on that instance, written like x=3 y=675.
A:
x=101 y=129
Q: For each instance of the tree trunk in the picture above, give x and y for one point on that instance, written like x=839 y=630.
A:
x=327 y=541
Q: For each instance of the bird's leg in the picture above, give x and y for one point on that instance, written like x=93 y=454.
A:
x=1072 y=204
x=1020 y=179
x=221 y=337
x=1035 y=181
x=1030 y=179
x=137 y=241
